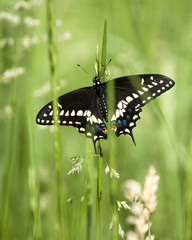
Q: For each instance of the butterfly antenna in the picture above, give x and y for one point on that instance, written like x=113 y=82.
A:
x=103 y=71
x=84 y=70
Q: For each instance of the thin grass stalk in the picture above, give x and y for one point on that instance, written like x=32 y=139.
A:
x=113 y=181
x=113 y=188
x=99 y=150
x=34 y=184
x=112 y=150
x=90 y=190
x=100 y=143
x=54 y=82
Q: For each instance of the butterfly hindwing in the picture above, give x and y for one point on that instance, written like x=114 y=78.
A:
x=125 y=121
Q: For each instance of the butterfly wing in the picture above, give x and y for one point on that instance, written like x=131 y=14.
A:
x=78 y=109
x=132 y=93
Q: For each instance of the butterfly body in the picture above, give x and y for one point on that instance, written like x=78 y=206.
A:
x=87 y=108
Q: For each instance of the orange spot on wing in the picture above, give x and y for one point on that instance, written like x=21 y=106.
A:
x=113 y=127
x=104 y=129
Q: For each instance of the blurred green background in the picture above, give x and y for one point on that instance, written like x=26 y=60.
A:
x=144 y=36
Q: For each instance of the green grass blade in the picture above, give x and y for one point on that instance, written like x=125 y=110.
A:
x=54 y=82
x=100 y=143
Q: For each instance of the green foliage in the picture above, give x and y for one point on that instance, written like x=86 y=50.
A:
x=142 y=37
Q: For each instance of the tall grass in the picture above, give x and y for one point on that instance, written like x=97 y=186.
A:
x=139 y=40
x=54 y=84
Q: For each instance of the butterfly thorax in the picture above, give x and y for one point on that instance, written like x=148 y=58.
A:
x=100 y=92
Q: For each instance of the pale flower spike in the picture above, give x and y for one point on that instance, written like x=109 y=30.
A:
x=27 y=4
x=107 y=169
x=76 y=168
x=143 y=204
x=112 y=172
x=122 y=204
x=120 y=231
x=9 y=17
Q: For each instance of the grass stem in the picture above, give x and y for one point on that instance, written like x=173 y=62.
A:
x=54 y=82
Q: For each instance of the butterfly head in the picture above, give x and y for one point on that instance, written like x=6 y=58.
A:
x=96 y=81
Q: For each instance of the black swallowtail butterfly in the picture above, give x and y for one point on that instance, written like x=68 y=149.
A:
x=86 y=108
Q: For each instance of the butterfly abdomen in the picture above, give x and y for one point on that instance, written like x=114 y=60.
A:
x=102 y=104
x=103 y=108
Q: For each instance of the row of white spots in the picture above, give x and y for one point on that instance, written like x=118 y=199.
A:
x=118 y=113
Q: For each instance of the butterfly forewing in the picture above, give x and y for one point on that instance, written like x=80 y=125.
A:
x=137 y=90
x=78 y=109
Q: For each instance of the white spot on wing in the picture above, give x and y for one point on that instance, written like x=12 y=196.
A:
x=59 y=105
x=88 y=113
x=45 y=115
x=61 y=113
x=49 y=106
x=129 y=99
x=135 y=95
x=51 y=113
x=131 y=124
x=151 y=77
x=82 y=129
x=67 y=113
x=124 y=102
x=120 y=105
x=73 y=113
x=113 y=118
x=85 y=113
x=80 y=113
x=117 y=113
x=90 y=119
x=99 y=120
x=94 y=118
x=121 y=112
x=154 y=83
x=142 y=81
x=38 y=120
x=138 y=105
x=145 y=89
x=127 y=130
x=140 y=92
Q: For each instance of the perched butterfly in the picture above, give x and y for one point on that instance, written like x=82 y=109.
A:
x=87 y=108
